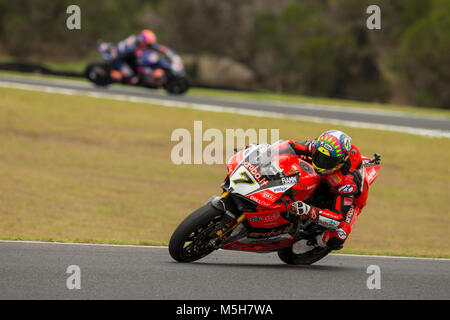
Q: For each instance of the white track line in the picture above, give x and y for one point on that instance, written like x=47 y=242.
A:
x=84 y=244
x=205 y=107
x=165 y=247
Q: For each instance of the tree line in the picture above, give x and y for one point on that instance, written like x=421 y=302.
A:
x=310 y=47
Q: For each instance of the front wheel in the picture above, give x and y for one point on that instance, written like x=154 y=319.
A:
x=287 y=256
x=98 y=73
x=191 y=239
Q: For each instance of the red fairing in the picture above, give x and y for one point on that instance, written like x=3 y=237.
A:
x=303 y=189
x=371 y=173
x=269 y=230
x=267 y=217
x=235 y=160
x=308 y=183
x=370 y=170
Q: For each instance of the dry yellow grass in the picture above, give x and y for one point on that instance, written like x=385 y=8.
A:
x=74 y=168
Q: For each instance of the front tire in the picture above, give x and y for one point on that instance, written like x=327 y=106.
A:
x=98 y=73
x=190 y=240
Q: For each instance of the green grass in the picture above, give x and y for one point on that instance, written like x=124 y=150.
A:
x=76 y=168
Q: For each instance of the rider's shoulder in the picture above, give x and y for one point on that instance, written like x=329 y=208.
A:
x=342 y=183
x=130 y=40
x=354 y=157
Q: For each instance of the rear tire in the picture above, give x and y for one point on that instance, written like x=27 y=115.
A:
x=190 y=240
x=177 y=85
x=287 y=256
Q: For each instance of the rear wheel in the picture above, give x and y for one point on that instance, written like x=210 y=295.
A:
x=177 y=85
x=191 y=239
x=287 y=256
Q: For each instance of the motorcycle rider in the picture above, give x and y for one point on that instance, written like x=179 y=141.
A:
x=140 y=51
x=342 y=192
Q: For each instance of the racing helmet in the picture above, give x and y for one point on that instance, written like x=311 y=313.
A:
x=147 y=37
x=331 y=150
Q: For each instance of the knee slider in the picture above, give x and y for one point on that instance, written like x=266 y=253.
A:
x=338 y=237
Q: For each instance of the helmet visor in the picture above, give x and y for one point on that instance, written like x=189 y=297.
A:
x=323 y=161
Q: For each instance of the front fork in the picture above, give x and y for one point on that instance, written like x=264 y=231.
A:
x=230 y=222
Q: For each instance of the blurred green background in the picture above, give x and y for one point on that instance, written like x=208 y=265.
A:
x=308 y=47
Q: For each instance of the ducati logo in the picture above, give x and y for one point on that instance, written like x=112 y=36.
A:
x=271 y=233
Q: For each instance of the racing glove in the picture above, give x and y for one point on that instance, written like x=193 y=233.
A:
x=304 y=210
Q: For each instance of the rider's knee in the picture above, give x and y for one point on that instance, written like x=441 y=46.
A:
x=158 y=73
x=335 y=243
x=335 y=239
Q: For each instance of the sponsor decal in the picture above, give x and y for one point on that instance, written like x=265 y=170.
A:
x=259 y=201
x=280 y=189
x=341 y=234
x=348 y=188
x=371 y=174
x=327 y=222
x=327 y=146
x=271 y=217
x=254 y=171
x=268 y=196
x=347 y=143
x=269 y=220
x=289 y=180
x=350 y=214
x=271 y=233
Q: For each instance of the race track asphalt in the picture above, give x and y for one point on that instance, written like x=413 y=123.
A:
x=32 y=270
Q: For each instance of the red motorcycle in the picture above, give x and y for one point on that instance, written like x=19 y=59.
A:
x=251 y=214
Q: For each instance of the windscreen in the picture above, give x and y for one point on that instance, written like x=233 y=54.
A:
x=260 y=168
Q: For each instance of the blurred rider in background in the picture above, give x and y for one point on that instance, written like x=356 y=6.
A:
x=137 y=59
